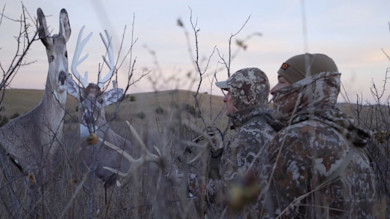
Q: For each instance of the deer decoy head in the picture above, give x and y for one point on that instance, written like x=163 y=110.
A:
x=92 y=97
x=56 y=51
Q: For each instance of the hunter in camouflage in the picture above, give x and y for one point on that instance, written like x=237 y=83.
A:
x=317 y=167
x=253 y=124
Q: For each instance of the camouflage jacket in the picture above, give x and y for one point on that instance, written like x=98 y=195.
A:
x=254 y=127
x=253 y=130
x=316 y=166
x=240 y=155
x=252 y=120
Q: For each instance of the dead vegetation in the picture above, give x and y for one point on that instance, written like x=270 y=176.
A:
x=169 y=120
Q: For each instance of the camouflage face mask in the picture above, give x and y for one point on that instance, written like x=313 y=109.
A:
x=312 y=93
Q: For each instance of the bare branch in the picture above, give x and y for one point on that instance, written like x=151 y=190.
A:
x=132 y=61
x=23 y=45
x=228 y=63
x=2 y=14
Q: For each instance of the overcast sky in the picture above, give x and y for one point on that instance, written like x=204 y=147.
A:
x=352 y=32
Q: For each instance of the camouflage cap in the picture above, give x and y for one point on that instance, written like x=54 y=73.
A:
x=300 y=66
x=248 y=86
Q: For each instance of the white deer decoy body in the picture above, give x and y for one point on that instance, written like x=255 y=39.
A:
x=93 y=124
x=94 y=128
x=33 y=139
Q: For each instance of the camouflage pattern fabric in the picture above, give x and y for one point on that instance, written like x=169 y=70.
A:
x=254 y=127
x=249 y=88
x=247 y=142
x=316 y=166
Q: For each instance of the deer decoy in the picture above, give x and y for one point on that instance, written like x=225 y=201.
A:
x=95 y=132
x=32 y=139
x=92 y=99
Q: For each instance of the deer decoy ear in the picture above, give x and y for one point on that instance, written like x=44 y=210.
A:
x=112 y=96
x=44 y=34
x=65 y=30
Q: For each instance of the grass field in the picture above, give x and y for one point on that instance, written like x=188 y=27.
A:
x=158 y=118
x=152 y=114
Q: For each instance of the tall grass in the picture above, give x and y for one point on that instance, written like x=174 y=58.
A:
x=162 y=192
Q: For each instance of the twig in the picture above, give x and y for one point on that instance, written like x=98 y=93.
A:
x=76 y=192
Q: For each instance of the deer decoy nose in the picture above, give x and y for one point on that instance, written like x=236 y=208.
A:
x=62 y=77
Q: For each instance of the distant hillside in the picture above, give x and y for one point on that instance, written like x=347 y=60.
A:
x=23 y=100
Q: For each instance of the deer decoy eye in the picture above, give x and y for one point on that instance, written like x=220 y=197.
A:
x=51 y=58
x=66 y=54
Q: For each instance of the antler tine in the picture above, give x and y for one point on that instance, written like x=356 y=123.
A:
x=110 y=63
x=77 y=60
x=134 y=163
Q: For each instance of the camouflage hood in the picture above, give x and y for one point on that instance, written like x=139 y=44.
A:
x=315 y=98
x=250 y=89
